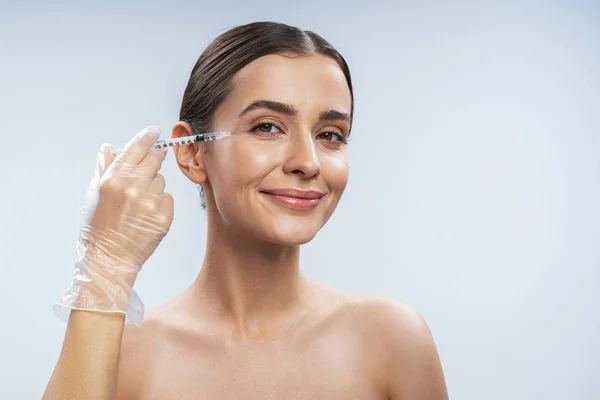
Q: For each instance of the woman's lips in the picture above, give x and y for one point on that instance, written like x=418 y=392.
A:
x=295 y=199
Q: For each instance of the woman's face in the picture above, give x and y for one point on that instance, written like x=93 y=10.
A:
x=281 y=173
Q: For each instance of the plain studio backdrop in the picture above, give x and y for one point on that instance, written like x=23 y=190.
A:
x=474 y=183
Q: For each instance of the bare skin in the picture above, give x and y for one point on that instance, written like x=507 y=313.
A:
x=251 y=326
x=343 y=347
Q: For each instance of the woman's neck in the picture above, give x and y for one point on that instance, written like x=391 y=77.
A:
x=248 y=284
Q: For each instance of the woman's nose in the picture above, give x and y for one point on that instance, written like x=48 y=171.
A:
x=302 y=157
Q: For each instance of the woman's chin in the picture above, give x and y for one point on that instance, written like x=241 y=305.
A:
x=291 y=240
x=292 y=233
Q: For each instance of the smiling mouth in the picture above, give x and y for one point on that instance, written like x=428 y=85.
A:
x=295 y=199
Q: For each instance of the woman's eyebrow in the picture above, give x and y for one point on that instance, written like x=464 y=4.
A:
x=276 y=106
x=334 y=115
x=289 y=109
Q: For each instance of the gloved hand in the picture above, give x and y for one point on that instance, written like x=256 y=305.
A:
x=126 y=215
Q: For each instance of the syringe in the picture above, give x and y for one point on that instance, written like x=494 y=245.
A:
x=203 y=137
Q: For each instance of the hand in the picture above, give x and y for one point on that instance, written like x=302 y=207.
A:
x=127 y=214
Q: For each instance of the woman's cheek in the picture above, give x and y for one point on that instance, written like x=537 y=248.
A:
x=238 y=168
x=256 y=159
x=260 y=158
x=335 y=170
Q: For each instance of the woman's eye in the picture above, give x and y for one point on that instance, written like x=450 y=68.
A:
x=265 y=128
x=332 y=137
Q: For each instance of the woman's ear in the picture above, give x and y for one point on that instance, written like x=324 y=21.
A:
x=189 y=156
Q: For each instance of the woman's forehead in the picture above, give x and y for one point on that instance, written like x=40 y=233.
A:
x=300 y=80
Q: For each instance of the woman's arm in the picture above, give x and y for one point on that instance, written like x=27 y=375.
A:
x=402 y=342
x=416 y=370
x=88 y=363
x=127 y=215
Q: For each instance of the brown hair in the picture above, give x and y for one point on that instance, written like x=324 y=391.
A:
x=210 y=80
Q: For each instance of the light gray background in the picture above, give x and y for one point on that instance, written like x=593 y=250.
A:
x=474 y=172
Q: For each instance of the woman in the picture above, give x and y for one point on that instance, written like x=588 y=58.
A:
x=251 y=326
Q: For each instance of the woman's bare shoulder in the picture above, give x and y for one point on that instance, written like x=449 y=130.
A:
x=372 y=311
x=389 y=324
x=383 y=324
x=396 y=343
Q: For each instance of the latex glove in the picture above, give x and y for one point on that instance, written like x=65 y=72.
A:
x=126 y=215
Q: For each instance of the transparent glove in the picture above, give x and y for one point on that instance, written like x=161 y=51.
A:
x=126 y=215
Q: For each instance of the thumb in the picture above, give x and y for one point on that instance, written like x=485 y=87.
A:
x=104 y=159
